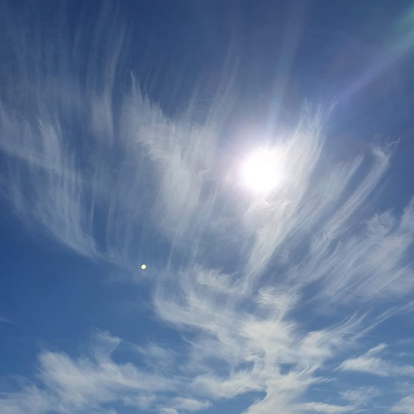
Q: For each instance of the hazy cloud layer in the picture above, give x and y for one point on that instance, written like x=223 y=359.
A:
x=88 y=165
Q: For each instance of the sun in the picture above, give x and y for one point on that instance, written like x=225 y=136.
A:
x=263 y=170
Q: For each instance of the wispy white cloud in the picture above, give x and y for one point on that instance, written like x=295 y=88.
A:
x=168 y=411
x=369 y=363
x=5 y=320
x=405 y=406
x=360 y=396
x=326 y=408
x=92 y=166
x=189 y=404
x=27 y=400
x=68 y=384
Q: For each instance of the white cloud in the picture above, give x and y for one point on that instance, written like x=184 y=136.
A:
x=371 y=262
x=326 y=408
x=370 y=364
x=405 y=406
x=93 y=184
x=189 y=404
x=5 y=320
x=360 y=396
x=168 y=411
x=30 y=399
x=69 y=385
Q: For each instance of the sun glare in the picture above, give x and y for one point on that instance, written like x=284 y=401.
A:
x=263 y=170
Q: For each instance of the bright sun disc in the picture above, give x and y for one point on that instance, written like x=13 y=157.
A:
x=263 y=170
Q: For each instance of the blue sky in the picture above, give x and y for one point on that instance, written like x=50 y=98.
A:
x=128 y=134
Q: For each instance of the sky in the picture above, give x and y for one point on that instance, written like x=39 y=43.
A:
x=255 y=157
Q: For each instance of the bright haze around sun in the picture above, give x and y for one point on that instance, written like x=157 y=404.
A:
x=263 y=170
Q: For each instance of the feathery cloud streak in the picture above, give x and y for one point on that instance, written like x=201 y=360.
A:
x=88 y=164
